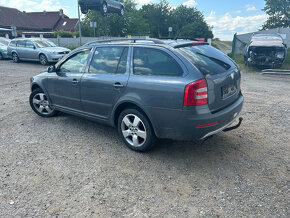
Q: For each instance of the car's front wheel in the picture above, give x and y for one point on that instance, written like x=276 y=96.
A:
x=15 y=57
x=136 y=131
x=104 y=9
x=43 y=59
x=84 y=9
x=40 y=104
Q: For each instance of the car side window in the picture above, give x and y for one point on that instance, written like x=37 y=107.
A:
x=153 y=62
x=21 y=43
x=109 y=60
x=13 y=43
x=29 y=44
x=76 y=63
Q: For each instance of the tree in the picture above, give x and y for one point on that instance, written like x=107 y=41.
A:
x=189 y=22
x=279 y=14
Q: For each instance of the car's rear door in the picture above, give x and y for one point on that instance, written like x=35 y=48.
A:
x=63 y=86
x=105 y=80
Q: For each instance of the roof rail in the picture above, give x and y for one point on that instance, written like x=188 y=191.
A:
x=133 y=40
x=182 y=38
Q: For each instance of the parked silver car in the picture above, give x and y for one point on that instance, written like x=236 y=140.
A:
x=35 y=49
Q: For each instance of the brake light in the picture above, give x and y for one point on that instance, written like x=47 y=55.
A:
x=196 y=93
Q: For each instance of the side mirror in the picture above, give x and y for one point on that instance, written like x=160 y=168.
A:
x=51 y=69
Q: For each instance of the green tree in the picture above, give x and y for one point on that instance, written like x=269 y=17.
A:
x=279 y=14
x=189 y=22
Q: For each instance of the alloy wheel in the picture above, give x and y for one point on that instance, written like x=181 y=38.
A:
x=43 y=60
x=41 y=104
x=105 y=8
x=15 y=57
x=134 y=130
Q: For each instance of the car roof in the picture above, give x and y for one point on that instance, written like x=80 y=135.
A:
x=33 y=39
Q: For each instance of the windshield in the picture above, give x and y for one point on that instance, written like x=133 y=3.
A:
x=4 y=42
x=44 y=43
x=207 y=59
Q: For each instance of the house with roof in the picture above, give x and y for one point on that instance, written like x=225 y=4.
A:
x=44 y=22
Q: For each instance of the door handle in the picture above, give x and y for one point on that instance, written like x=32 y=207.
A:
x=118 y=85
x=75 y=81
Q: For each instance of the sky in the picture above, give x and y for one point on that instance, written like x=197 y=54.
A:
x=226 y=16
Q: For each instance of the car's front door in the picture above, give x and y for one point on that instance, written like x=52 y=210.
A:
x=30 y=51
x=63 y=86
x=105 y=80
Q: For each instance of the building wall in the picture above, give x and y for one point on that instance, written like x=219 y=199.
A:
x=243 y=39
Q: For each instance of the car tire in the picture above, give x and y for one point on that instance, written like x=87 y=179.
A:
x=40 y=104
x=1 y=57
x=136 y=130
x=43 y=60
x=84 y=9
x=122 y=12
x=104 y=9
x=15 y=57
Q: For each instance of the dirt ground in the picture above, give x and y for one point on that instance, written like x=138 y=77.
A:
x=68 y=166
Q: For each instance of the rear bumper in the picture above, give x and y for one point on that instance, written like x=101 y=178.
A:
x=183 y=125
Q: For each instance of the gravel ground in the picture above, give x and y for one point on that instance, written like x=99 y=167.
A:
x=68 y=166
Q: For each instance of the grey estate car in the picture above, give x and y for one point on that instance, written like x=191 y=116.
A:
x=148 y=89
x=35 y=49
x=104 y=6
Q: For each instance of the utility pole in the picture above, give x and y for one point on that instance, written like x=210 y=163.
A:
x=80 y=27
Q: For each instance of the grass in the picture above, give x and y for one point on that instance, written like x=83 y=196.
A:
x=286 y=64
x=228 y=42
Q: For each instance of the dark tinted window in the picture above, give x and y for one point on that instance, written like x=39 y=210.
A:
x=76 y=63
x=106 y=60
x=12 y=43
x=21 y=43
x=207 y=59
x=149 y=61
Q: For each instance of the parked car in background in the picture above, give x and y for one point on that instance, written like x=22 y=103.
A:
x=265 y=50
x=148 y=89
x=104 y=6
x=3 y=48
x=35 y=49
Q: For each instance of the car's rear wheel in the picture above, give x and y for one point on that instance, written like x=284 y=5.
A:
x=104 y=9
x=15 y=57
x=135 y=130
x=122 y=12
x=40 y=104
x=43 y=59
x=1 y=57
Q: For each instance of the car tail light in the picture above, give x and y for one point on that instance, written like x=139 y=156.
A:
x=196 y=93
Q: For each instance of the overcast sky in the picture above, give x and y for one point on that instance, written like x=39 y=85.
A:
x=227 y=16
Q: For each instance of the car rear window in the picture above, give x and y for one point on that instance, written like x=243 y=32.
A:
x=155 y=62
x=207 y=59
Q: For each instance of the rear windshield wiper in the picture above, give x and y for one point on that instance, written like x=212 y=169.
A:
x=218 y=61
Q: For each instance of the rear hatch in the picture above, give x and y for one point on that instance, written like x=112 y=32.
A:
x=221 y=73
